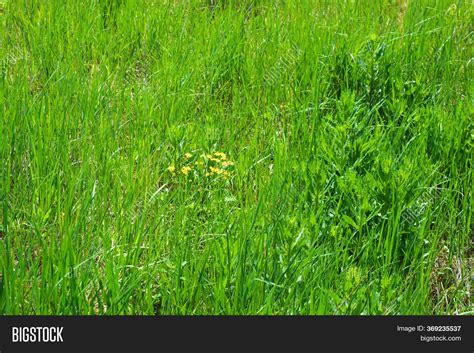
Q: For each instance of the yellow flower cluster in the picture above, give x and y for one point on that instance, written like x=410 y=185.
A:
x=218 y=171
x=185 y=170
x=215 y=164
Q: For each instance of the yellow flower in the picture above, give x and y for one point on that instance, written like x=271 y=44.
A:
x=227 y=163
x=187 y=155
x=220 y=154
x=171 y=168
x=186 y=170
x=215 y=170
x=212 y=158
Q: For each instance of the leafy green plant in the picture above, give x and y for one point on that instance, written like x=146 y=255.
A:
x=148 y=165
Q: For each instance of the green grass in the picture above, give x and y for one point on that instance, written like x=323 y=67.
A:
x=349 y=125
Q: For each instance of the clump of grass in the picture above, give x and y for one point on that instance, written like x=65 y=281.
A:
x=148 y=165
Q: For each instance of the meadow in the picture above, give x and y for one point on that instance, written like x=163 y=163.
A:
x=236 y=157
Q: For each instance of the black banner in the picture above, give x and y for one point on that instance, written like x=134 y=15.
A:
x=222 y=333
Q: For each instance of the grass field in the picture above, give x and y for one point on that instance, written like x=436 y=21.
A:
x=236 y=157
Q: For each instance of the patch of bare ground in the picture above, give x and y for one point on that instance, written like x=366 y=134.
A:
x=451 y=282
